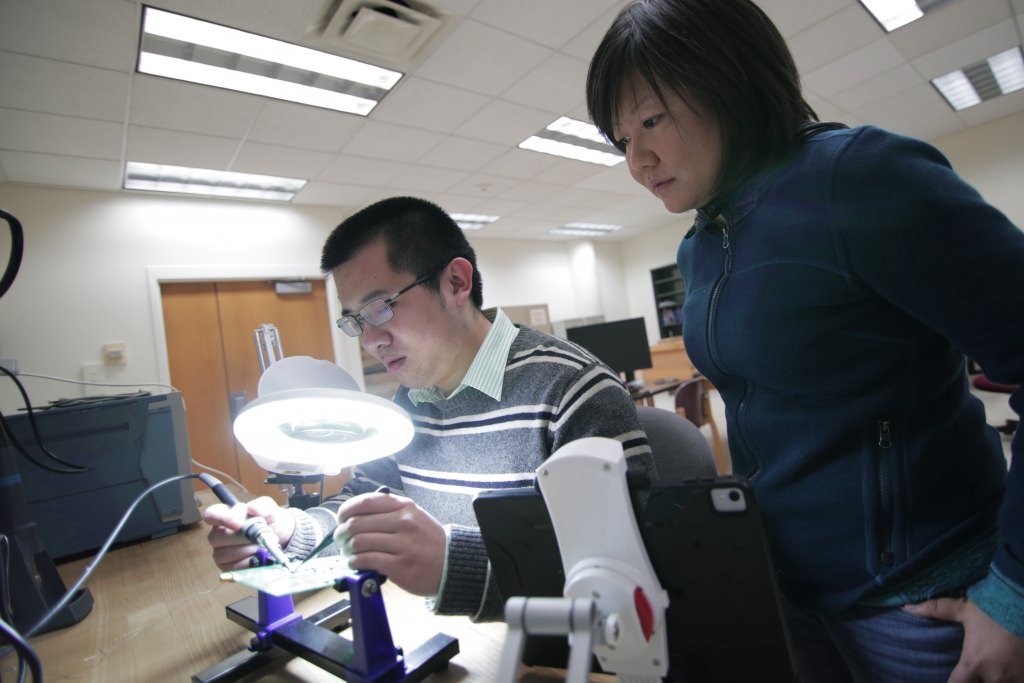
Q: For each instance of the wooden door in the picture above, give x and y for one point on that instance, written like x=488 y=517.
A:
x=212 y=355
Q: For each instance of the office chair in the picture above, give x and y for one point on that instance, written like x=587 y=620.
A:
x=693 y=401
x=680 y=450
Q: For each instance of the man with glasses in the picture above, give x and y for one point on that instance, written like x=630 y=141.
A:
x=489 y=401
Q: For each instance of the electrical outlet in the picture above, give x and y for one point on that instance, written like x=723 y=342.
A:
x=93 y=373
x=9 y=364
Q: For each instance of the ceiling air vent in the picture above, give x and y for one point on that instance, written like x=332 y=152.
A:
x=385 y=32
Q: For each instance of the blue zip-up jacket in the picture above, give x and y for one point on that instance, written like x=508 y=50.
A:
x=832 y=302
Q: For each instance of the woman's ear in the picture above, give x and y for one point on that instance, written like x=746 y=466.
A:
x=457 y=278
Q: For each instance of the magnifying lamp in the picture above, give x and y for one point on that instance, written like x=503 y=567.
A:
x=310 y=418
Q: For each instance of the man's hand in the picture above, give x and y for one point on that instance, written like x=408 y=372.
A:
x=231 y=549
x=990 y=654
x=390 y=534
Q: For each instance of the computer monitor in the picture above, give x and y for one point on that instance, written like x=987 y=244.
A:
x=621 y=345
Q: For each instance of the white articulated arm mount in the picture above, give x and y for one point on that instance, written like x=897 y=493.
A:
x=608 y=574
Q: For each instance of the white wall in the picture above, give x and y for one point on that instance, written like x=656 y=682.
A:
x=991 y=157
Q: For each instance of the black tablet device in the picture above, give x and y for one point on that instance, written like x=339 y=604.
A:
x=706 y=544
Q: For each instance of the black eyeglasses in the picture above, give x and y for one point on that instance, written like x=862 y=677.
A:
x=379 y=311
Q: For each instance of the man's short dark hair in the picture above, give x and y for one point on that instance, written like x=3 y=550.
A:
x=420 y=237
x=723 y=55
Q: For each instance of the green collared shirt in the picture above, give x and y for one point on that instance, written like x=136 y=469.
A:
x=487 y=371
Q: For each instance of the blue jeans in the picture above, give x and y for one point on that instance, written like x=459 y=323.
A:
x=872 y=645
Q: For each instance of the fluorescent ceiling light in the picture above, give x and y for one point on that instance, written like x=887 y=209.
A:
x=998 y=75
x=1008 y=69
x=603 y=227
x=957 y=90
x=892 y=14
x=202 y=181
x=176 y=46
x=473 y=221
x=574 y=140
x=585 y=229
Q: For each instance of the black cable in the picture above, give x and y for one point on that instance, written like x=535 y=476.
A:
x=5 y=574
x=17 y=248
x=28 y=454
x=73 y=468
x=71 y=592
x=27 y=656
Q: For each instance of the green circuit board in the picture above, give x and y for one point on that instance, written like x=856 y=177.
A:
x=276 y=579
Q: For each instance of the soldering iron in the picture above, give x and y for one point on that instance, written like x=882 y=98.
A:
x=255 y=529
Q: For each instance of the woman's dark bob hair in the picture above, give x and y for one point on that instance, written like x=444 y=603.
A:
x=724 y=56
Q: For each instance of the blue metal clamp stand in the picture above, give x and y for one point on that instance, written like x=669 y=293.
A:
x=369 y=657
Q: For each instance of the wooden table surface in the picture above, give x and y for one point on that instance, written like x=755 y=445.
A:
x=159 y=615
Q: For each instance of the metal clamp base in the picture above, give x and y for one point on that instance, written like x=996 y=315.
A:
x=368 y=657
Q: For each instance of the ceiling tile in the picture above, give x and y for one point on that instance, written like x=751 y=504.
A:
x=297 y=125
x=591 y=199
x=497 y=206
x=973 y=48
x=880 y=87
x=483 y=185
x=614 y=179
x=792 y=17
x=100 y=33
x=520 y=163
x=62 y=171
x=505 y=123
x=841 y=33
x=902 y=112
x=854 y=68
x=548 y=213
x=176 y=148
x=462 y=154
x=946 y=24
x=350 y=169
x=584 y=44
x=176 y=105
x=256 y=157
x=332 y=194
x=499 y=59
x=541 y=21
x=423 y=179
x=391 y=142
x=424 y=104
x=51 y=134
x=568 y=172
x=528 y=191
x=826 y=110
x=44 y=85
x=557 y=85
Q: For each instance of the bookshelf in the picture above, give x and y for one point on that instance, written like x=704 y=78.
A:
x=669 y=294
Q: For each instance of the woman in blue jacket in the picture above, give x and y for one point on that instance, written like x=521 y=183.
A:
x=836 y=280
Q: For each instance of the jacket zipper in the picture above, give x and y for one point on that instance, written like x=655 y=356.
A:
x=713 y=305
x=885 y=502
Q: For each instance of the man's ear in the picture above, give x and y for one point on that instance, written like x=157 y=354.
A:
x=457 y=279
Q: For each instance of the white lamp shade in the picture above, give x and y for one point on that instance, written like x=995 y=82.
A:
x=310 y=418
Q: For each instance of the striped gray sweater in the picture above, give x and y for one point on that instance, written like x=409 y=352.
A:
x=554 y=392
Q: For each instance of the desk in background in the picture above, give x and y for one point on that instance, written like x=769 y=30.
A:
x=645 y=394
x=159 y=616
x=669 y=360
